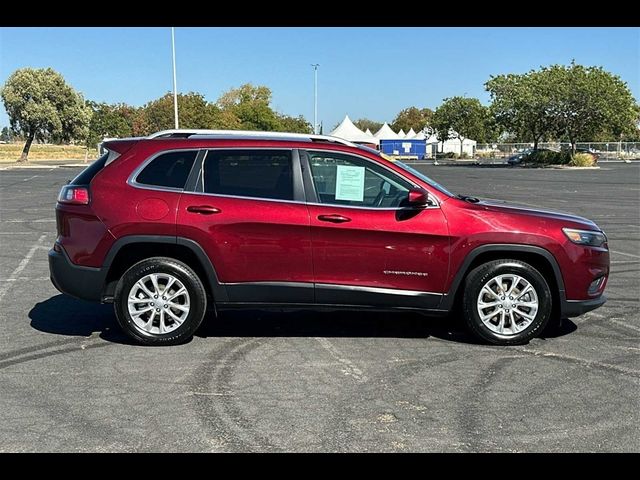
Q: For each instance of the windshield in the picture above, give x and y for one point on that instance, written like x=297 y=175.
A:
x=423 y=177
x=409 y=169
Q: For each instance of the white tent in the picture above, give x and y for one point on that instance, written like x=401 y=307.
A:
x=411 y=133
x=385 y=133
x=401 y=134
x=420 y=136
x=368 y=132
x=451 y=145
x=348 y=131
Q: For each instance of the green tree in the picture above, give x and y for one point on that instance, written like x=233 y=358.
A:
x=588 y=102
x=574 y=103
x=412 y=117
x=364 y=123
x=633 y=135
x=193 y=112
x=248 y=108
x=6 y=135
x=294 y=124
x=521 y=105
x=492 y=130
x=41 y=105
x=461 y=118
x=110 y=121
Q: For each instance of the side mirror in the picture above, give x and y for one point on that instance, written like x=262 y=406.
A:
x=418 y=198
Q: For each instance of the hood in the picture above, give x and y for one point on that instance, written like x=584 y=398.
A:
x=515 y=209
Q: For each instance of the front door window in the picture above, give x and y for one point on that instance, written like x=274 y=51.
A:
x=346 y=180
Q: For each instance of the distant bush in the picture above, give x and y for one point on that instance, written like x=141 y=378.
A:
x=583 y=160
x=548 y=157
x=446 y=155
x=463 y=155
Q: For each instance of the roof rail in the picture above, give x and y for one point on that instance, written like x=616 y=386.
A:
x=186 y=133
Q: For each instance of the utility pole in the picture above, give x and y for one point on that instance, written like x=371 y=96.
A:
x=175 y=89
x=315 y=97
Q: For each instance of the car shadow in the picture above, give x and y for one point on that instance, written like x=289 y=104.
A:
x=559 y=328
x=335 y=323
x=355 y=323
x=64 y=315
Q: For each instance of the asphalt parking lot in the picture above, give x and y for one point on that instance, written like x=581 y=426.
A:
x=301 y=381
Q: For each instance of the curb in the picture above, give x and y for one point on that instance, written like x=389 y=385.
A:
x=28 y=167
x=564 y=167
x=43 y=167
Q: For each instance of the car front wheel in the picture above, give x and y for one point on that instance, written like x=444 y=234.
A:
x=160 y=301
x=506 y=302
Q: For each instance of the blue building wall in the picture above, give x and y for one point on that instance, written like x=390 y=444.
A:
x=404 y=147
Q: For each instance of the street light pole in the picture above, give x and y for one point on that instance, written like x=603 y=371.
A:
x=175 y=89
x=315 y=97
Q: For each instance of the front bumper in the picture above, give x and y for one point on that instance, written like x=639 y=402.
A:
x=574 y=308
x=81 y=282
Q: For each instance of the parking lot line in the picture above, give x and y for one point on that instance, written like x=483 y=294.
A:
x=582 y=361
x=349 y=368
x=626 y=254
x=39 y=220
x=21 y=266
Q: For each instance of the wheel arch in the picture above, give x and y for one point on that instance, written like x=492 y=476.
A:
x=130 y=249
x=538 y=257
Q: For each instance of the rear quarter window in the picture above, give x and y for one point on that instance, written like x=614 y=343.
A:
x=85 y=177
x=169 y=169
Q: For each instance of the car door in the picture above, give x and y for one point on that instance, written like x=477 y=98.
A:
x=369 y=246
x=247 y=211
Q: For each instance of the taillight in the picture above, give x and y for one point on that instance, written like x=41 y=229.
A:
x=74 y=195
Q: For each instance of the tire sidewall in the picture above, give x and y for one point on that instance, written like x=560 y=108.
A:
x=481 y=275
x=197 y=299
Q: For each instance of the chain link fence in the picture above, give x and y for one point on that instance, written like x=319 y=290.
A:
x=606 y=151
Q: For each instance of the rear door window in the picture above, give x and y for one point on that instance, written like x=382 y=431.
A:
x=169 y=169
x=248 y=173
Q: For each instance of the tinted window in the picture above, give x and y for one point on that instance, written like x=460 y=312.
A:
x=347 y=180
x=249 y=173
x=168 y=170
x=85 y=177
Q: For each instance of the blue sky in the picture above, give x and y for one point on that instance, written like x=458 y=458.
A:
x=364 y=72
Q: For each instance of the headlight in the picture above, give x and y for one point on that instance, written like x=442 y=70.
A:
x=589 y=238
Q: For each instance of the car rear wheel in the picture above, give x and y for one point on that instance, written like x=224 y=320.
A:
x=160 y=301
x=506 y=302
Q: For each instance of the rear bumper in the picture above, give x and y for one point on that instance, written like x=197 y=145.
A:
x=85 y=283
x=574 y=308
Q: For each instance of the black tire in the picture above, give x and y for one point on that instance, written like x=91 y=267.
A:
x=479 y=276
x=191 y=282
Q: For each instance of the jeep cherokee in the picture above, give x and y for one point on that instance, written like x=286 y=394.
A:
x=167 y=225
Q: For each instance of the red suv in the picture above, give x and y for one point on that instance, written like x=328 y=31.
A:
x=168 y=225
